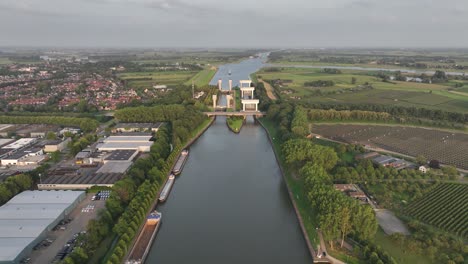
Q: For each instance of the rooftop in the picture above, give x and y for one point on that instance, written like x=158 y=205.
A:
x=122 y=155
x=27 y=215
x=115 y=167
x=127 y=138
x=138 y=125
x=19 y=143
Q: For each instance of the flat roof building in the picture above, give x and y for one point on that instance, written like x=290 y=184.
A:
x=121 y=155
x=20 y=143
x=26 y=218
x=115 y=167
x=137 y=127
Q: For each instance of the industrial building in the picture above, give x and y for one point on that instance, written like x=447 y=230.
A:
x=26 y=218
x=136 y=127
x=55 y=145
x=127 y=142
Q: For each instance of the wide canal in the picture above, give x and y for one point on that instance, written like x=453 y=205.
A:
x=229 y=205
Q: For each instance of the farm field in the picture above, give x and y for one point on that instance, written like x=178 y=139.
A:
x=447 y=147
x=4 y=60
x=445 y=206
x=148 y=79
x=407 y=94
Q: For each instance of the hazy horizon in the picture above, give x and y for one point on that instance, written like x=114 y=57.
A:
x=233 y=24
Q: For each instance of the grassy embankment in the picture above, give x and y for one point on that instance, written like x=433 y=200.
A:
x=235 y=123
x=202 y=78
x=295 y=185
x=408 y=94
x=105 y=249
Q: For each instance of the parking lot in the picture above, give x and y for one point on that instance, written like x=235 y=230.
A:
x=62 y=239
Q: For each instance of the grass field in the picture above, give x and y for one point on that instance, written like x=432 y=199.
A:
x=148 y=79
x=406 y=94
x=445 y=207
x=398 y=252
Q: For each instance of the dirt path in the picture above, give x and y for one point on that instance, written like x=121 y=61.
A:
x=269 y=90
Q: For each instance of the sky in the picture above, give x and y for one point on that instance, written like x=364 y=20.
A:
x=235 y=23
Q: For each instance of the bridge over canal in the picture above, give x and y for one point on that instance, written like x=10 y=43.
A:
x=241 y=113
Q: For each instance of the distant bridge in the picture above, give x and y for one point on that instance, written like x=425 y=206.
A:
x=243 y=113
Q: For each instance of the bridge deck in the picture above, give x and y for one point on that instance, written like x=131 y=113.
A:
x=243 y=113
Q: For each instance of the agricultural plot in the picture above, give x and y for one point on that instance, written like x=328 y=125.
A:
x=148 y=79
x=406 y=94
x=445 y=206
x=447 y=147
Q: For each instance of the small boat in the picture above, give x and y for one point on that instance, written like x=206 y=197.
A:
x=167 y=188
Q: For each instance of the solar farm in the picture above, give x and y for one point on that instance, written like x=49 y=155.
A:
x=447 y=147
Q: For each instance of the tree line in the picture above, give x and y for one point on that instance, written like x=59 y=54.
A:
x=85 y=124
x=182 y=118
x=396 y=111
x=337 y=215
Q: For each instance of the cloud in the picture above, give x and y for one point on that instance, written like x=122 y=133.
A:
x=221 y=22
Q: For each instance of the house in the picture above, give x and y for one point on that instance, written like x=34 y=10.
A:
x=422 y=169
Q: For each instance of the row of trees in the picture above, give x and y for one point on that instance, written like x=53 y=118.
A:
x=338 y=214
x=397 y=111
x=347 y=115
x=85 y=124
x=300 y=122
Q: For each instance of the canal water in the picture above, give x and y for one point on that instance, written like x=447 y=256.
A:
x=229 y=205
x=236 y=72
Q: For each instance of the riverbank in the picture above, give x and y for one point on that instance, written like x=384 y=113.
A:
x=235 y=123
x=296 y=193
x=195 y=135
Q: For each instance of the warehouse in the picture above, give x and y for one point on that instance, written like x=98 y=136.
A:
x=136 y=127
x=26 y=218
x=139 y=143
x=121 y=155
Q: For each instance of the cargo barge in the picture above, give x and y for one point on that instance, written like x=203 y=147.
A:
x=167 y=188
x=180 y=162
x=145 y=239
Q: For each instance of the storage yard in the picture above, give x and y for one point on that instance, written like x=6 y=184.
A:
x=447 y=147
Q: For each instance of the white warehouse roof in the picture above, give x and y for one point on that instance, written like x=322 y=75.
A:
x=20 y=143
x=111 y=146
x=25 y=219
x=49 y=197
x=128 y=139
